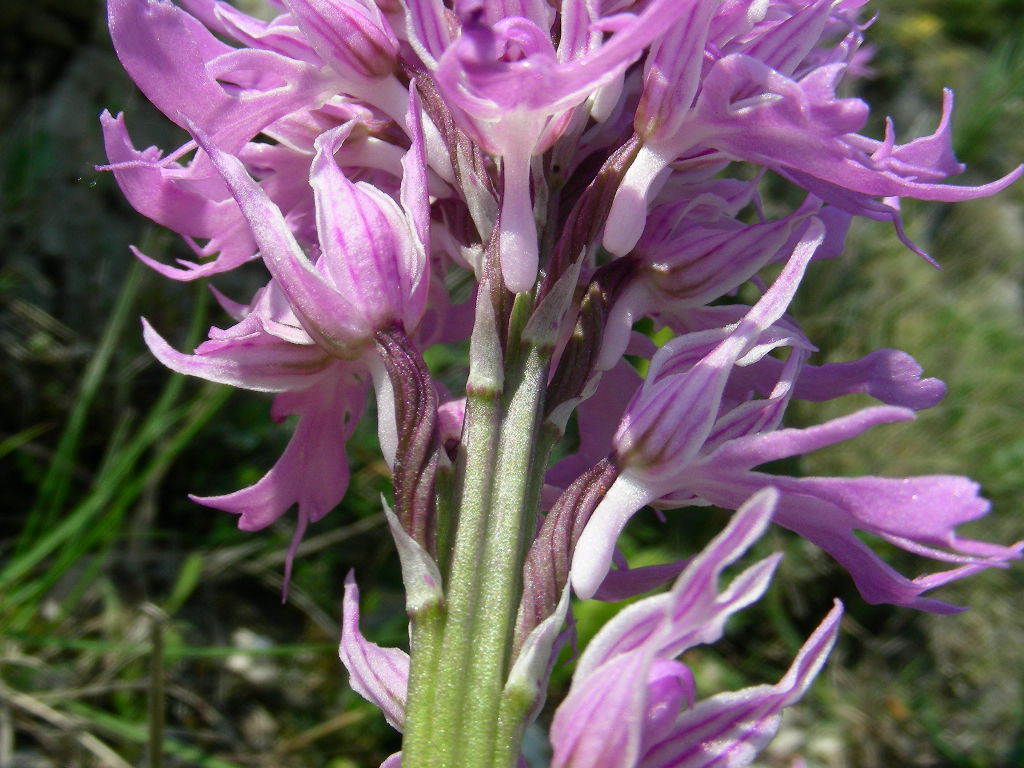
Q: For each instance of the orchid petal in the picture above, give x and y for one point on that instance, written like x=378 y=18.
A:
x=327 y=414
x=595 y=726
x=693 y=612
x=772 y=446
x=324 y=313
x=379 y=675
x=728 y=730
x=175 y=61
x=257 y=361
x=353 y=37
x=594 y=549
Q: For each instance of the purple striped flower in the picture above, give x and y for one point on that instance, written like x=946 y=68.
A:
x=632 y=704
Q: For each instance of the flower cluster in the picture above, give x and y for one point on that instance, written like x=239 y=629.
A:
x=584 y=166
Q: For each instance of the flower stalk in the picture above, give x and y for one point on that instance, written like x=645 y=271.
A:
x=513 y=510
x=497 y=477
x=422 y=717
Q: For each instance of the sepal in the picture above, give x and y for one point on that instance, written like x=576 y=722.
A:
x=182 y=67
x=256 y=361
x=351 y=36
x=325 y=314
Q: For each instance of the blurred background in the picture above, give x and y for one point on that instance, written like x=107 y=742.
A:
x=138 y=628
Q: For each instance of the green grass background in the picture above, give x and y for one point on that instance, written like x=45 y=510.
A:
x=137 y=628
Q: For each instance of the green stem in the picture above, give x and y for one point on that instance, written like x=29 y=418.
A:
x=515 y=707
x=476 y=462
x=425 y=647
x=461 y=652
x=446 y=688
x=501 y=565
